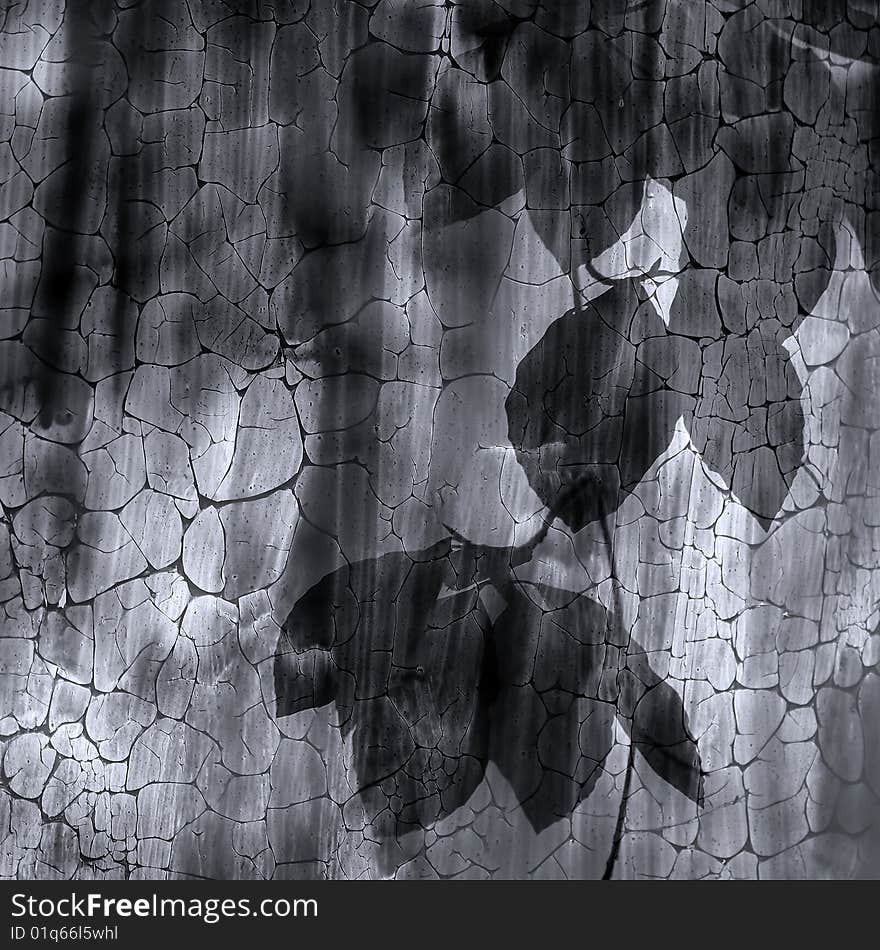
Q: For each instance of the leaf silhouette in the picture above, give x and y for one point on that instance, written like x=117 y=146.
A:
x=749 y=423
x=658 y=729
x=430 y=689
x=399 y=650
x=595 y=402
x=550 y=733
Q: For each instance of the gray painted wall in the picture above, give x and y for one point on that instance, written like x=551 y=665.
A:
x=439 y=439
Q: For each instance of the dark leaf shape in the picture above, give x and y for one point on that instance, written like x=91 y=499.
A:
x=596 y=401
x=431 y=690
x=658 y=729
x=653 y=715
x=754 y=440
x=592 y=405
x=399 y=648
x=749 y=422
x=550 y=732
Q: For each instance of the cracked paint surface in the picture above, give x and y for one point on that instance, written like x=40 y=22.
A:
x=438 y=438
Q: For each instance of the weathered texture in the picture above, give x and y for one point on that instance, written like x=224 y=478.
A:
x=439 y=439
